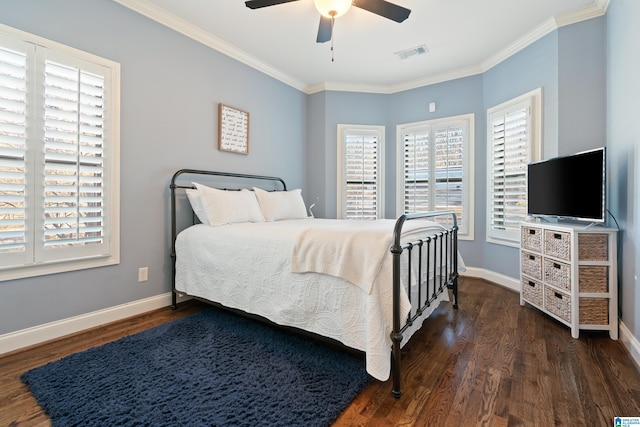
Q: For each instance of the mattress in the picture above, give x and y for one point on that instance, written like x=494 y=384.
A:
x=247 y=266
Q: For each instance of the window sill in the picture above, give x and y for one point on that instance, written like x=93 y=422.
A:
x=58 y=267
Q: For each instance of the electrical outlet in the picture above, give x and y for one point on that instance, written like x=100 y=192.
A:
x=143 y=274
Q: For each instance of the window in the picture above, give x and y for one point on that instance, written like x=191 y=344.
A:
x=59 y=140
x=360 y=172
x=513 y=140
x=436 y=158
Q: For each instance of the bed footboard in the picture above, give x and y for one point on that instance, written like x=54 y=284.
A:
x=437 y=257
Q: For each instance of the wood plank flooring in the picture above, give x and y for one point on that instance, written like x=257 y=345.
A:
x=489 y=363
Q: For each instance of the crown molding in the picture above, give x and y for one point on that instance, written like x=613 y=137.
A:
x=390 y=89
x=145 y=8
x=528 y=39
x=344 y=87
x=177 y=24
x=458 y=73
x=597 y=9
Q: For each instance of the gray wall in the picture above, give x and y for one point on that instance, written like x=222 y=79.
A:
x=171 y=86
x=623 y=145
x=582 y=86
x=535 y=66
x=452 y=98
x=326 y=110
x=567 y=64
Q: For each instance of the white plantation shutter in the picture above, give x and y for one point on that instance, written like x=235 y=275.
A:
x=512 y=146
x=360 y=183
x=416 y=166
x=449 y=153
x=361 y=172
x=58 y=158
x=73 y=158
x=13 y=147
x=436 y=156
x=508 y=170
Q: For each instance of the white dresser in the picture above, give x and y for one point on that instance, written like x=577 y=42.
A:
x=570 y=273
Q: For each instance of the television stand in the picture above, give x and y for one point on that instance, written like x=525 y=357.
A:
x=569 y=272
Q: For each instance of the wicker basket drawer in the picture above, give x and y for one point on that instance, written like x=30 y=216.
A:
x=593 y=247
x=531 y=264
x=532 y=291
x=557 y=274
x=594 y=311
x=593 y=278
x=531 y=238
x=557 y=303
x=557 y=244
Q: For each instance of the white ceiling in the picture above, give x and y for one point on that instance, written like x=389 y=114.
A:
x=463 y=37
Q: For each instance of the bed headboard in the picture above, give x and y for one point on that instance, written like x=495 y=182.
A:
x=183 y=180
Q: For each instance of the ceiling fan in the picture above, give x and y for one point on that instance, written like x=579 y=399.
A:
x=331 y=9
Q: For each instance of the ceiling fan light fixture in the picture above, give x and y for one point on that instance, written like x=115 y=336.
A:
x=332 y=8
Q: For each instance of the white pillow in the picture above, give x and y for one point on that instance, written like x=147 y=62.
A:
x=197 y=206
x=276 y=205
x=229 y=206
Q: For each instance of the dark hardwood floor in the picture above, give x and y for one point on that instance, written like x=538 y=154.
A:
x=491 y=362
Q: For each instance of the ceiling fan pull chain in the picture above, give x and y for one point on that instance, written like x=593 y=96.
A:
x=333 y=20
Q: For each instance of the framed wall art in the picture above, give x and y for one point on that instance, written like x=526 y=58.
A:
x=233 y=129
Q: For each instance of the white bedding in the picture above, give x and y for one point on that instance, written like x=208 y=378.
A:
x=352 y=250
x=247 y=266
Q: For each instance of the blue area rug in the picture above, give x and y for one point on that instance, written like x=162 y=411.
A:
x=212 y=368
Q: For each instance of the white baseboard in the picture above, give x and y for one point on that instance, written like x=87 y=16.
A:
x=49 y=331
x=630 y=342
x=41 y=333
x=497 y=278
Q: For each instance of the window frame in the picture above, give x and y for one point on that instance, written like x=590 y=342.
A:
x=32 y=262
x=343 y=130
x=466 y=231
x=533 y=102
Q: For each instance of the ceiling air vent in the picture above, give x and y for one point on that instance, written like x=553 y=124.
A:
x=414 y=51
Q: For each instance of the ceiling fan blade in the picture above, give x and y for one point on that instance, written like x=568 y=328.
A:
x=324 y=30
x=257 y=4
x=384 y=8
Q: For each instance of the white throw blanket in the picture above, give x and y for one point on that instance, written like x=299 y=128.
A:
x=351 y=250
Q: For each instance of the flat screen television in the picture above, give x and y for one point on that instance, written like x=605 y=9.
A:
x=571 y=187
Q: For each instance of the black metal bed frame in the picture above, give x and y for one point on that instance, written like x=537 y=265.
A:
x=441 y=246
